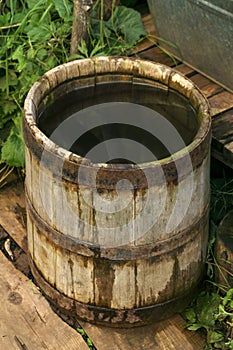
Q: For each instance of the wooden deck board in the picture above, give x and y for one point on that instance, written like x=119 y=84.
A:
x=12 y=216
x=157 y=55
x=26 y=319
x=208 y=87
x=168 y=335
x=222 y=127
x=221 y=102
x=182 y=68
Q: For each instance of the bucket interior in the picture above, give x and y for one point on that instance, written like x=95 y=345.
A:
x=118 y=121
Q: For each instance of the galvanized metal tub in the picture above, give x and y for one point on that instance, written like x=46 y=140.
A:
x=116 y=277
x=202 y=31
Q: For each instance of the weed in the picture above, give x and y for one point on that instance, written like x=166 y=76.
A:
x=35 y=37
x=25 y=27
x=213 y=308
x=214 y=313
x=5 y=171
x=86 y=338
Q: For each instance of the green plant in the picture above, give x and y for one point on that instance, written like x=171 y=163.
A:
x=86 y=338
x=5 y=171
x=214 y=313
x=116 y=36
x=213 y=308
x=35 y=37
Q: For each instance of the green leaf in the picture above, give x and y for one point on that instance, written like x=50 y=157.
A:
x=13 y=149
x=8 y=106
x=228 y=297
x=195 y=327
x=5 y=19
x=4 y=132
x=190 y=314
x=63 y=8
x=229 y=344
x=98 y=49
x=42 y=53
x=32 y=3
x=222 y=314
x=39 y=33
x=51 y=62
x=12 y=80
x=89 y=342
x=81 y=331
x=207 y=307
x=31 y=54
x=129 y=22
x=215 y=337
x=19 y=55
x=82 y=48
x=18 y=17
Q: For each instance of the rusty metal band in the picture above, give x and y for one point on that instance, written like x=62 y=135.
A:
x=124 y=253
x=114 y=317
x=108 y=178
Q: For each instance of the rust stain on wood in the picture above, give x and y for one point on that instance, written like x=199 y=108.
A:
x=104 y=276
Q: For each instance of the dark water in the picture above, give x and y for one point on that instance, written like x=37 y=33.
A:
x=120 y=122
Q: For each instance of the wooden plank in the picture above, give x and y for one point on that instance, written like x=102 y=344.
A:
x=167 y=335
x=222 y=127
x=222 y=142
x=223 y=154
x=12 y=204
x=207 y=86
x=221 y=102
x=149 y=24
x=182 y=68
x=26 y=319
x=157 y=55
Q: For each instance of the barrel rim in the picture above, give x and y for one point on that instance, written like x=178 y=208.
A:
x=138 y=68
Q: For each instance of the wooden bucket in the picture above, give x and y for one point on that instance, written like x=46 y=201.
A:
x=87 y=269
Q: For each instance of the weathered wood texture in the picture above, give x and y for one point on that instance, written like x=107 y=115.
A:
x=222 y=143
x=26 y=319
x=221 y=101
x=133 y=263
x=13 y=213
x=224 y=251
x=166 y=335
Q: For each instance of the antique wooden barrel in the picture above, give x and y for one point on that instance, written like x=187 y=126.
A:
x=143 y=259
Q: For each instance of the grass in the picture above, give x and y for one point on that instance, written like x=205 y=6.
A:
x=86 y=338
x=34 y=38
x=212 y=310
x=5 y=171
